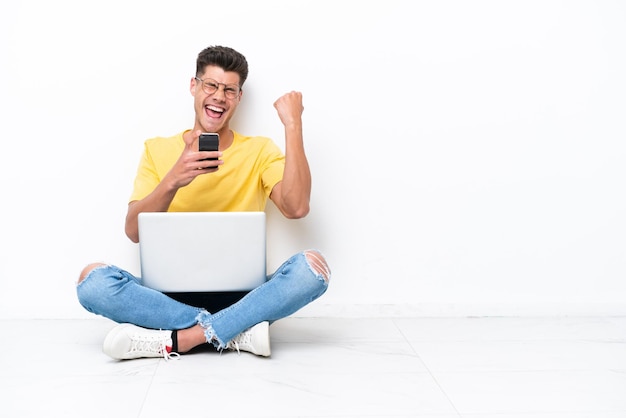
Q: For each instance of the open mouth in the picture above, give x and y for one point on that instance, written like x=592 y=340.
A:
x=214 y=111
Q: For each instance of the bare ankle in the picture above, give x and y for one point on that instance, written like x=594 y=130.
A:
x=190 y=338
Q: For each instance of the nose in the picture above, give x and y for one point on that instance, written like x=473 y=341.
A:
x=220 y=93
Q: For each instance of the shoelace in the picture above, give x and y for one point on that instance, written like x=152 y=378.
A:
x=171 y=355
x=245 y=338
x=153 y=346
x=233 y=345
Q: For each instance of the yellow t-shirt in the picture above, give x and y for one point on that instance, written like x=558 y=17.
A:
x=252 y=167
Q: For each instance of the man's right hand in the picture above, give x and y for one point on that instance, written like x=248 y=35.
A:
x=190 y=165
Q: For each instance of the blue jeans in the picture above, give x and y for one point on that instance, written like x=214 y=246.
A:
x=118 y=295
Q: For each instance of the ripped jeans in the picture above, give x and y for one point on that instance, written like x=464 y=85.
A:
x=118 y=295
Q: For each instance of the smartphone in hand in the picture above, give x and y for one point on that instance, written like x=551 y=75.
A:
x=209 y=142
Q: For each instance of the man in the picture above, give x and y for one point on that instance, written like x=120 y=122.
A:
x=174 y=176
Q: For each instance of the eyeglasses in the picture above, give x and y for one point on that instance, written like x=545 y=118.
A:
x=210 y=86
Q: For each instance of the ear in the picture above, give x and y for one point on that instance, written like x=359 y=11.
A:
x=193 y=85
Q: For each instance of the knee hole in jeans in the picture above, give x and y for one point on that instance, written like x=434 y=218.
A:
x=88 y=270
x=318 y=263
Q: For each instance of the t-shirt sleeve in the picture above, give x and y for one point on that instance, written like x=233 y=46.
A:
x=146 y=179
x=274 y=167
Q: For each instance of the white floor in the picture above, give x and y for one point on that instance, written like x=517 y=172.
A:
x=323 y=367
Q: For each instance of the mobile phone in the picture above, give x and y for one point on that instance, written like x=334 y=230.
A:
x=209 y=142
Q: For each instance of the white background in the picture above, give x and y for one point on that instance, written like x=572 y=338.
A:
x=467 y=156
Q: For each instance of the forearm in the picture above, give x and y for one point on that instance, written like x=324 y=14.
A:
x=296 y=184
x=157 y=201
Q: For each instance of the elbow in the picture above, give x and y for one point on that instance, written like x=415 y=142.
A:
x=133 y=238
x=133 y=235
x=297 y=213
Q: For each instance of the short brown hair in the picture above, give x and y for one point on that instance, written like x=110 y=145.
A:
x=224 y=57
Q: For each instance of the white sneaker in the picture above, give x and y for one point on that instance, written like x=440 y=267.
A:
x=128 y=341
x=255 y=340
